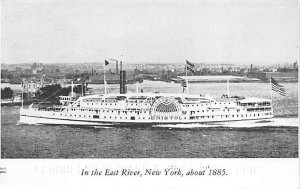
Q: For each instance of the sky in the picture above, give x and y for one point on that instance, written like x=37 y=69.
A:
x=171 y=31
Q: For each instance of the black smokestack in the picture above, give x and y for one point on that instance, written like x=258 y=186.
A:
x=122 y=82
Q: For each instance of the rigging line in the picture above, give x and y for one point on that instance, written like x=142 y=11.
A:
x=50 y=96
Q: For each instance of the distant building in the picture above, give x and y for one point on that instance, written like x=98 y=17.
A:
x=280 y=76
x=111 y=78
x=218 y=78
x=33 y=86
x=273 y=70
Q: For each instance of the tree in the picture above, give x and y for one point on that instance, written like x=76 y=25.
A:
x=49 y=91
x=6 y=93
x=78 y=89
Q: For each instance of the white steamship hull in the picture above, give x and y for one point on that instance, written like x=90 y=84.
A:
x=148 y=109
x=56 y=121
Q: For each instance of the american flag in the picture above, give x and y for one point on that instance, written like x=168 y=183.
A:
x=190 y=66
x=278 y=88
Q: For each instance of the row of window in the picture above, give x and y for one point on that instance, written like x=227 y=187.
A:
x=171 y=117
x=192 y=105
x=112 y=111
x=183 y=112
x=228 y=116
x=187 y=105
x=110 y=104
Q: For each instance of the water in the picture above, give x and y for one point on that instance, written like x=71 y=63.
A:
x=275 y=139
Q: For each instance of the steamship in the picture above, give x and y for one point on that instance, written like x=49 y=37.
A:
x=147 y=109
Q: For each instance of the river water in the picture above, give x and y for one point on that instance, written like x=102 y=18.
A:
x=275 y=139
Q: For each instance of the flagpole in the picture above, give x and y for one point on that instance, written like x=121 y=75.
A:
x=22 y=93
x=271 y=95
x=186 y=80
x=72 y=86
x=104 y=79
x=227 y=88
x=85 y=88
x=82 y=89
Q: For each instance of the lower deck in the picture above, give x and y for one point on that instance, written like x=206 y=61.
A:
x=35 y=116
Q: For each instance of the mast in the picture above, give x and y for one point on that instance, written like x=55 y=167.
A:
x=104 y=79
x=22 y=93
x=82 y=89
x=72 y=86
x=271 y=95
x=85 y=88
x=227 y=87
x=186 y=80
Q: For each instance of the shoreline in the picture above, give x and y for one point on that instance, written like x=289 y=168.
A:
x=210 y=81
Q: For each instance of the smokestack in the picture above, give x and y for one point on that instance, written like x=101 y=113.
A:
x=122 y=82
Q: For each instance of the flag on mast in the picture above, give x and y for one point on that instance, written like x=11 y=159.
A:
x=190 y=66
x=278 y=88
x=106 y=62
